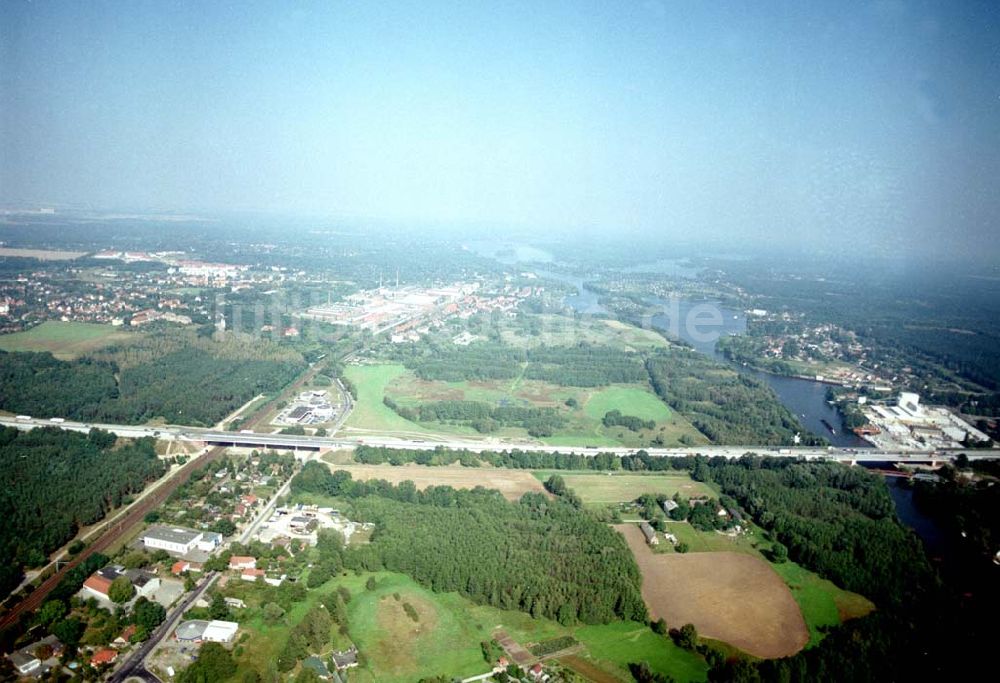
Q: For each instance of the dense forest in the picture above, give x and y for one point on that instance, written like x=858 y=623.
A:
x=52 y=482
x=726 y=406
x=180 y=378
x=584 y=366
x=539 y=555
x=839 y=521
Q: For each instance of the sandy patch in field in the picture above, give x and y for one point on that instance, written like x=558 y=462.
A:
x=511 y=483
x=395 y=649
x=733 y=597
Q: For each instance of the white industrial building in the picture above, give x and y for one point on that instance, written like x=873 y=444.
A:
x=199 y=630
x=179 y=540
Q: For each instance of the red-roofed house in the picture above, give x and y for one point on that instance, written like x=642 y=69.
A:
x=251 y=574
x=182 y=566
x=98 y=585
x=105 y=656
x=242 y=562
x=126 y=635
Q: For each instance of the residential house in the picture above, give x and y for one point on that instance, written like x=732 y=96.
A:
x=125 y=637
x=649 y=533
x=105 y=656
x=24 y=663
x=251 y=574
x=242 y=562
x=182 y=566
x=345 y=659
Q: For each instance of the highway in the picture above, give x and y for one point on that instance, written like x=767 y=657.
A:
x=215 y=437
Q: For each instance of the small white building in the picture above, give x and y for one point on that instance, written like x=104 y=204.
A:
x=199 y=630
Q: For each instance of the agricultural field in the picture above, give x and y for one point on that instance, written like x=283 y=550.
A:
x=605 y=488
x=733 y=597
x=64 y=340
x=583 y=426
x=559 y=330
x=822 y=602
x=511 y=483
x=41 y=254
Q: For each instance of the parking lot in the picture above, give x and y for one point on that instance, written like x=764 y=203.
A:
x=304 y=524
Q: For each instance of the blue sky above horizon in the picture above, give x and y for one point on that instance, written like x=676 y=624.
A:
x=837 y=123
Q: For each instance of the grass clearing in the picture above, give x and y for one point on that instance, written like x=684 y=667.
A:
x=629 y=400
x=710 y=541
x=822 y=602
x=614 y=646
x=445 y=638
x=605 y=488
x=370 y=413
x=583 y=426
x=64 y=340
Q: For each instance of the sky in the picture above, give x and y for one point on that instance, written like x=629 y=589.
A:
x=866 y=125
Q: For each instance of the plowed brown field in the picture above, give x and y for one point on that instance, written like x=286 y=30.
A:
x=733 y=597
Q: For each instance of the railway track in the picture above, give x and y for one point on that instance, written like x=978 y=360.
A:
x=111 y=535
x=117 y=528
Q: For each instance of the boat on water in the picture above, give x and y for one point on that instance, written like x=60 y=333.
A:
x=828 y=425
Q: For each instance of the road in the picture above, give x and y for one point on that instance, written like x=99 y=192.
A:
x=135 y=664
x=315 y=443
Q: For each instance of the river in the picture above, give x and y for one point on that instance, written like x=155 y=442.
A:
x=700 y=324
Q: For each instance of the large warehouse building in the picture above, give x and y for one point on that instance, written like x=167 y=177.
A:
x=180 y=541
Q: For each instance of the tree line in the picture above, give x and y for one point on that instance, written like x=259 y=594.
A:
x=615 y=418
x=583 y=365
x=483 y=417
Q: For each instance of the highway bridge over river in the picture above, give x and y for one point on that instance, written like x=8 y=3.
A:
x=291 y=442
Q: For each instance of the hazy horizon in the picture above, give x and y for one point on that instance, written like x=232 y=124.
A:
x=861 y=126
